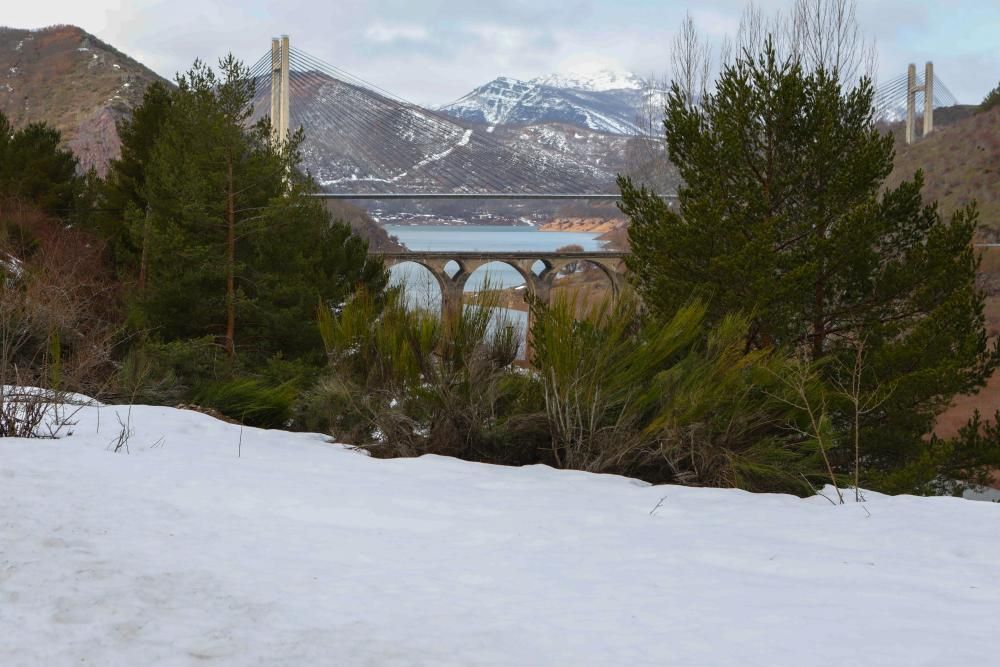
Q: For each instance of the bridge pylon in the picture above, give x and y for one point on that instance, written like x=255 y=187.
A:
x=279 y=88
x=912 y=88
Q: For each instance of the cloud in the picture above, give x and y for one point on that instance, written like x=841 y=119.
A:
x=432 y=51
x=381 y=33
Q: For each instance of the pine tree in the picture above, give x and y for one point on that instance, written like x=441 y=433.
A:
x=123 y=218
x=236 y=247
x=991 y=100
x=34 y=167
x=782 y=215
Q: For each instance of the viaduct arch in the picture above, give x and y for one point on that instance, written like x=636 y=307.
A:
x=536 y=284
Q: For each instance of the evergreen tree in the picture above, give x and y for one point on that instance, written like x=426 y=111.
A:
x=34 y=167
x=123 y=203
x=991 y=100
x=782 y=214
x=236 y=247
x=6 y=133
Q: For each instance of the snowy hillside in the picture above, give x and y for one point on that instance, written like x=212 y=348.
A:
x=358 y=140
x=593 y=80
x=208 y=544
x=604 y=101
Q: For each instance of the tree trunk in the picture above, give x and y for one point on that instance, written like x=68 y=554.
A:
x=818 y=324
x=230 y=341
x=144 y=260
x=819 y=296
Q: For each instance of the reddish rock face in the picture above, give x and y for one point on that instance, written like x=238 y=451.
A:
x=73 y=81
x=95 y=139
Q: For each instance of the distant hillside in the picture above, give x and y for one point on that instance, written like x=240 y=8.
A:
x=378 y=239
x=598 y=150
x=360 y=141
x=961 y=162
x=73 y=81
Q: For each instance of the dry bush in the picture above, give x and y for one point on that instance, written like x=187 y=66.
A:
x=59 y=304
x=405 y=383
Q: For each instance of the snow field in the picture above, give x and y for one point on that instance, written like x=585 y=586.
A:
x=282 y=549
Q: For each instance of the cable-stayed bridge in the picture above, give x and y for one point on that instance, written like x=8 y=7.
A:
x=364 y=140
x=891 y=96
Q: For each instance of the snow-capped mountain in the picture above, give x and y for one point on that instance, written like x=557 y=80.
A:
x=604 y=101
x=600 y=80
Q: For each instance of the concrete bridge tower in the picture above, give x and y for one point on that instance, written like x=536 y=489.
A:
x=927 y=88
x=279 y=87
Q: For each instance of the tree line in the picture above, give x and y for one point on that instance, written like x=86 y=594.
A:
x=215 y=258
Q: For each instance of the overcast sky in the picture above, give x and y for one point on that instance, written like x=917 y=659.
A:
x=434 y=51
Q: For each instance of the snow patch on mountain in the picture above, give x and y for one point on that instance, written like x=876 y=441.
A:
x=603 y=101
x=600 y=80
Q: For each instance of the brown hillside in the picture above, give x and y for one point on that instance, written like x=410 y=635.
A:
x=378 y=239
x=70 y=79
x=961 y=162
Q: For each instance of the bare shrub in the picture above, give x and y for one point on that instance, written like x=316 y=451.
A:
x=58 y=316
x=22 y=413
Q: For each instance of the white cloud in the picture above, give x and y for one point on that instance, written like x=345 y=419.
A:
x=382 y=33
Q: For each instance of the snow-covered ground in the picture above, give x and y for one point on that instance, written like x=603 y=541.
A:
x=210 y=545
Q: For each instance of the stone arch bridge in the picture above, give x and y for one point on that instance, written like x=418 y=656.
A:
x=537 y=284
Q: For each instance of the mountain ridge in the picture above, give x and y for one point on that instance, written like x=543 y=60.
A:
x=72 y=80
x=605 y=102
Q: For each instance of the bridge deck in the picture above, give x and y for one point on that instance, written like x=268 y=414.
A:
x=501 y=254
x=472 y=195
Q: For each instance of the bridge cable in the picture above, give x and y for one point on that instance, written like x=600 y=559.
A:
x=361 y=123
x=497 y=146
x=355 y=119
x=444 y=165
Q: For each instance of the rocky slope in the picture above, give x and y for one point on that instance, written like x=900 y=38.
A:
x=73 y=81
x=602 y=151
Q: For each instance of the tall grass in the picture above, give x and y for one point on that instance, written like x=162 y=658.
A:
x=405 y=382
x=668 y=402
x=608 y=391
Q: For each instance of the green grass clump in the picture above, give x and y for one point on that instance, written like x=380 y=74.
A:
x=250 y=401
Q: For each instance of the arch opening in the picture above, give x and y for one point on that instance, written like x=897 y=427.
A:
x=453 y=268
x=509 y=284
x=423 y=288
x=587 y=282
